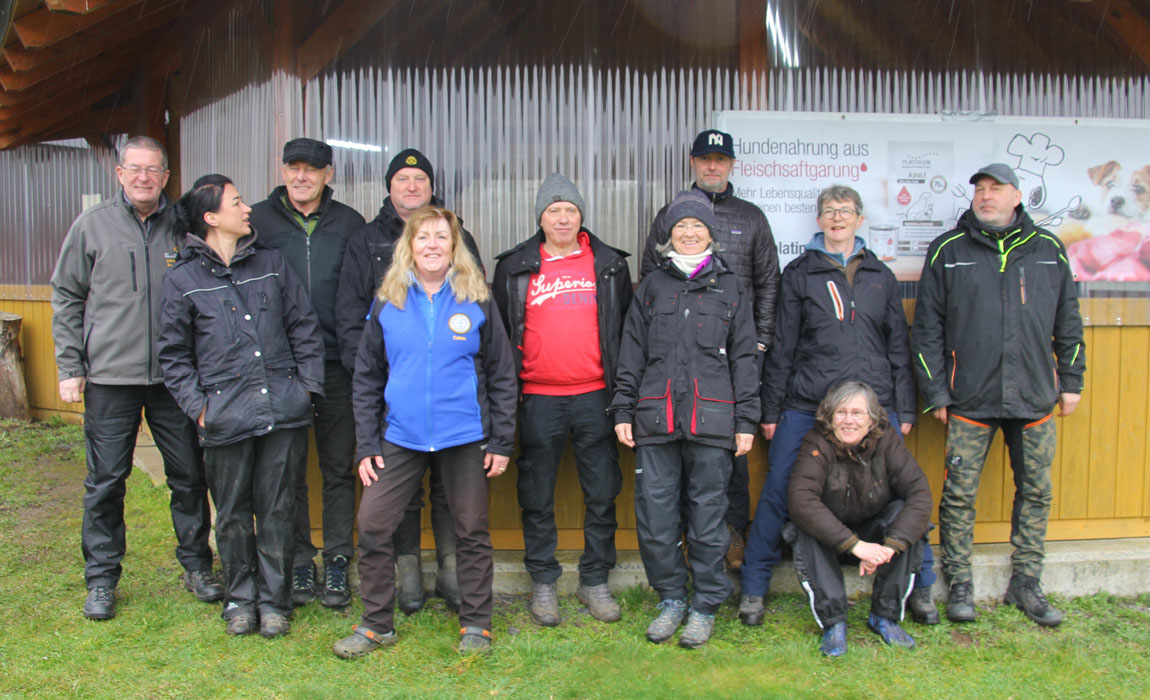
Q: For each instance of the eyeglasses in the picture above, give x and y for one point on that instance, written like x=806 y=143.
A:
x=151 y=170
x=845 y=212
x=853 y=415
x=685 y=226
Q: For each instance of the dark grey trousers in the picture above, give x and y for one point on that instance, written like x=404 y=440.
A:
x=698 y=475
x=819 y=568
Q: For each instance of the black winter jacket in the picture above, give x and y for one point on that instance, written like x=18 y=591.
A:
x=991 y=319
x=495 y=385
x=240 y=339
x=746 y=243
x=365 y=261
x=613 y=295
x=825 y=337
x=687 y=366
x=834 y=489
x=315 y=259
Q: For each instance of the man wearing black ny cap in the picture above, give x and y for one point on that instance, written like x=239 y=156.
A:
x=302 y=221
x=997 y=343
x=744 y=241
x=410 y=180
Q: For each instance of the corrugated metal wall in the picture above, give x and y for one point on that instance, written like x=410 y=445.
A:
x=621 y=136
x=42 y=189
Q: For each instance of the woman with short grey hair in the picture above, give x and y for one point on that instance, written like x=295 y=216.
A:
x=839 y=318
x=857 y=494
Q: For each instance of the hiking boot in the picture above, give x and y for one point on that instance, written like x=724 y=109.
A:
x=599 y=602
x=922 y=607
x=890 y=632
x=667 y=623
x=545 y=604
x=361 y=642
x=474 y=640
x=409 y=580
x=736 y=548
x=101 y=603
x=335 y=593
x=447 y=583
x=751 y=610
x=1026 y=593
x=960 y=603
x=698 y=630
x=303 y=584
x=204 y=585
x=244 y=622
x=834 y=640
x=273 y=625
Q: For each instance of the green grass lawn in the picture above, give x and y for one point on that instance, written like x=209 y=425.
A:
x=165 y=644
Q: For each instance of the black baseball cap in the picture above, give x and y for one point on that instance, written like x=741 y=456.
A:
x=307 y=150
x=712 y=141
x=1001 y=172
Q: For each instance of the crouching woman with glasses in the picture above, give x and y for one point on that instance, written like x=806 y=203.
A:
x=857 y=494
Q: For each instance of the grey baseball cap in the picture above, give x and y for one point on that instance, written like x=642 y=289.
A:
x=1001 y=172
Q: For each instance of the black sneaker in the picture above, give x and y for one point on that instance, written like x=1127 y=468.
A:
x=922 y=607
x=960 y=603
x=1026 y=593
x=101 y=603
x=303 y=584
x=335 y=593
x=203 y=585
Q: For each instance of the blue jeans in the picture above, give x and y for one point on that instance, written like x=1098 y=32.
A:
x=764 y=543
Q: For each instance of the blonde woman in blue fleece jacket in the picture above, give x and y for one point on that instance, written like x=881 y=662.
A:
x=434 y=387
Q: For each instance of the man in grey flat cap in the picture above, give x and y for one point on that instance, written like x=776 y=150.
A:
x=997 y=343
x=563 y=295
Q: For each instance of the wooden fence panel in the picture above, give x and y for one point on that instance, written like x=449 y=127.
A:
x=1101 y=472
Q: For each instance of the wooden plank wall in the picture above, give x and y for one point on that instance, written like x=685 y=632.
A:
x=1101 y=471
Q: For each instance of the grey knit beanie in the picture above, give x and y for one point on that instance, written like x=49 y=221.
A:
x=557 y=188
x=690 y=203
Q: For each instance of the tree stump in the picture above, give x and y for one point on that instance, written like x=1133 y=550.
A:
x=13 y=391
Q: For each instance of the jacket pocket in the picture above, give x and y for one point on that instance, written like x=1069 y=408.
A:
x=713 y=411
x=713 y=323
x=654 y=415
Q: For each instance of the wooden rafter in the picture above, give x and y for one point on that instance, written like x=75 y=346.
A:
x=342 y=29
x=42 y=28
x=1125 y=25
x=845 y=17
x=84 y=46
x=103 y=65
x=56 y=100
x=79 y=7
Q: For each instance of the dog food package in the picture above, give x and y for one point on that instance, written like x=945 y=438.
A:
x=918 y=192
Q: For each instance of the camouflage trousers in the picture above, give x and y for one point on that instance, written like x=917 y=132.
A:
x=1031 y=446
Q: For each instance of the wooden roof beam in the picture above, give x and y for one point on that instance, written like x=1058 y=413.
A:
x=87 y=44
x=78 y=7
x=49 y=122
x=42 y=28
x=58 y=99
x=1125 y=25
x=99 y=66
x=342 y=30
x=845 y=17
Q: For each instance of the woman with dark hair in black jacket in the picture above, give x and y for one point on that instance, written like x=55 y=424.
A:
x=241 y=349
x=686 y=397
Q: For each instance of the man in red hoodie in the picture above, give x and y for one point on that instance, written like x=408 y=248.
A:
x=563 y=294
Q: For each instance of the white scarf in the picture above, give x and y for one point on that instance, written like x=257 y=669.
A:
x=689 y=264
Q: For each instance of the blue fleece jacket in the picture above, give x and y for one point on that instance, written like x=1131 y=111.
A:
x=432 y=392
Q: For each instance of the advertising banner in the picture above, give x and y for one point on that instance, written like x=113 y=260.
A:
x=1086 y=180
